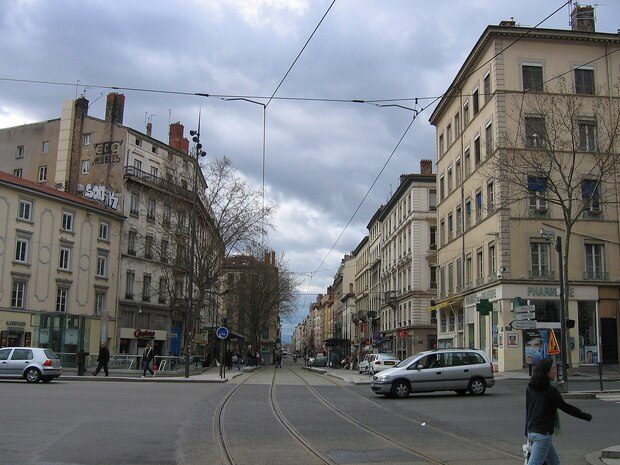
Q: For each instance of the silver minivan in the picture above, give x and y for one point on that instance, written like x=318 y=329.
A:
x=30 y=363
x=459 y=370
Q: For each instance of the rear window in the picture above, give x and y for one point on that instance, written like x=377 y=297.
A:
x=50 y=354
x=475 y=359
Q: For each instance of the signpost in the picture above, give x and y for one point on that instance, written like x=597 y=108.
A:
x=222 y=334
x=525 y=309
x=523 y=324
x=525 y=316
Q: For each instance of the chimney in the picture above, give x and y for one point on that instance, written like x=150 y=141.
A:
x=508 y=23
x=426 y=167
x=115 y=107
x=176 y=139
x=149 y=129
x=81 y=107
x=582 y=18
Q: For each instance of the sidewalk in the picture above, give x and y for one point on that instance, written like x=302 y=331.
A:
x=209 y=375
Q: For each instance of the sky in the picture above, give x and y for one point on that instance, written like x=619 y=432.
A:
x=321 y=157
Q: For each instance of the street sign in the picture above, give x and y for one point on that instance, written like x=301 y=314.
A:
x=525 y=316
x=524 y=324
x=221 y=332
x=525 y=308
x=553 y=348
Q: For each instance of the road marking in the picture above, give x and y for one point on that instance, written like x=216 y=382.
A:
x=609 y=398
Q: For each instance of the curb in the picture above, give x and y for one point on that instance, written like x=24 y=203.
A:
x=315 y=370
x=126 y=379
x=357 y=383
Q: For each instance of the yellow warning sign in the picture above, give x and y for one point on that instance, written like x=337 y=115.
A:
x=553 y=348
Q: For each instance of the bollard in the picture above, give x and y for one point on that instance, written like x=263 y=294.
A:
x=600 y=375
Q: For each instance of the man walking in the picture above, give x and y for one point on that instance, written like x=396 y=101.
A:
x=102 y=359
x=147 y=357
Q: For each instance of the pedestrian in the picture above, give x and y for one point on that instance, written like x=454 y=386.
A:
x=229 y=360
x=147 y=357
x=102 y=359
x=239 y=361
x=278 y=360
x=542 y=401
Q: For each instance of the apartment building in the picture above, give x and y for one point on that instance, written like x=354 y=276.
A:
x=407 y=264
x=149 y=182
x=59 y=269
x=490 y=245
x=341 y=322
x=375 y=237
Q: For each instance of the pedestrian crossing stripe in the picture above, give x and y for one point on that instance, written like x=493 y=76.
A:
x=609 y=398
x=553 y=348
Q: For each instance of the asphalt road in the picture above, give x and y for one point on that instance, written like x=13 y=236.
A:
x=73 y=422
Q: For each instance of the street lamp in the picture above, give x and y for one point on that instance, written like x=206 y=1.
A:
x=549 y=235
x=190 y=307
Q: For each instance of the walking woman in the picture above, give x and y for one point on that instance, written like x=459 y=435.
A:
x=542 y=401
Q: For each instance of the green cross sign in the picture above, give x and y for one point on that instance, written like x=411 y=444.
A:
x=484 y=307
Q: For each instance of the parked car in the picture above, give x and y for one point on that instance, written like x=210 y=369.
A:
x=30 y=363
x=459 y=370
x=319 y=360
x=373 y=363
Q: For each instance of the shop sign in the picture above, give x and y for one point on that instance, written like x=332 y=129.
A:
x=100 y=193
x=545 y=291
x=15 y=323
x=491 y=294
x=139 y=333
x=107 y=152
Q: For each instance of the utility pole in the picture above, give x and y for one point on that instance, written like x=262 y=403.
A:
x=563 y=339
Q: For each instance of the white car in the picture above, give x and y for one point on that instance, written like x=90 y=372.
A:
x=374 y=363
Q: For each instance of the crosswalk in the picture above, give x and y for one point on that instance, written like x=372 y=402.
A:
x=609 y=398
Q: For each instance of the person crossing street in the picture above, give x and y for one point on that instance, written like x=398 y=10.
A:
x=102 y=359
x=147 y=357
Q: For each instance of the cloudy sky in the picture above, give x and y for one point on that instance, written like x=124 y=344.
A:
x=321 y=157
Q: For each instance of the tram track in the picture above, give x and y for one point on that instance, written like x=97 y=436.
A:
x=408 y=419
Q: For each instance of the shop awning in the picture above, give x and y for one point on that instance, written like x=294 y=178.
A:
x=447 y=303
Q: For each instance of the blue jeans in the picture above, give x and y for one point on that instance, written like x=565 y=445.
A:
x=542 y=449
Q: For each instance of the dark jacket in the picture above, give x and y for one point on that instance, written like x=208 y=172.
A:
x=541 y=407
x=104 y=355
x=148 y=355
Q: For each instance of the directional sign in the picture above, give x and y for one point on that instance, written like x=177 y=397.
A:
x=221 y=332
x=525 y=316
x=525 y=308
x=524 y=324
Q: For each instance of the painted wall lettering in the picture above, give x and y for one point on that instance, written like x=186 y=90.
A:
x=102 y=194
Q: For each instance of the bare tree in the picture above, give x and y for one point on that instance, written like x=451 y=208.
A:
x=560 y=149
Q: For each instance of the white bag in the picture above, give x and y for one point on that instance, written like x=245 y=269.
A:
x=527 y=450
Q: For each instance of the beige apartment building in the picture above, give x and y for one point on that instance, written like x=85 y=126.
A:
x=364 y=324
x=59 y=269
x=490 y=245
x=149 y=182
x=407 y=277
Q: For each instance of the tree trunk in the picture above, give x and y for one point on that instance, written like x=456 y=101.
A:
x=566 y=290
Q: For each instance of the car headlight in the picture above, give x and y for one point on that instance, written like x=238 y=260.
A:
x=382 y=378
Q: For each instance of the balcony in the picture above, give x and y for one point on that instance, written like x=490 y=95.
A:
x=492 y=277
x=593 y=215
x=131 y=252
x=468 y=285
x=541 y=274
x=479 y=281
x=538 y=212
x=595 y=275
x=129 y=296
x=151 y=180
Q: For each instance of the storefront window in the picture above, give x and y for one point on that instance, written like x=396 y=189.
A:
x=483 y=333
x=495 y=332
x=471 y=338
x=588 y=340
x=547 y=310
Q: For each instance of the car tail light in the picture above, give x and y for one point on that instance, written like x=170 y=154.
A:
x=47 y=363
x=492 y=370
x=378 y=362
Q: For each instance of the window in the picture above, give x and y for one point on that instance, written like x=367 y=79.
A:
x=180 y=259
x=99 y=303
x=18 y=294
x=478 y=205
x=488 y=138
x=584 y=81
x=150 y=209
x=42 y=173
x=449 y=179
x=587 y=136
x=162 y=290
x=535 y=132
x=64 y=262
x=532 y=77
x=146 y=288
x=154 y=171
x=487 y=87
x=441 y=147
x=137 y=165
x=442 y=280
x=25 y=210
x=594 y=262
x=433 y=284
x=441 y=189
x=104 y=229
x=22 y=354
x=449 y=135
x=466 y=113
x=450 y=226
x=479 y=264
x=134 y=204
x=450 y=280
x=467 y=212
x=591 y=197
x=467 y=162
x=61 y=299
x=85 y=166
x=129 y=278
x=476 y=150
x=67 y=221
x=164 y=251
x=442 y=232
x=138 y=142
x=457 y=172
x=20 y=151
x=538 y=197
x=131 y=243
x=18 y=173
x=167 y=214
x=178 y=289
x=490 y=197
x=475 y=102
x=21 y=249
x=45 y=146
x=86 y=139
x=540 y=260
x=153 y=149
x=102 y=266
x=468 y=272
x=433 y=237
x=459 y=275
x=148 y=247
x=457 y=125
x=492 y=264
x=459 y=219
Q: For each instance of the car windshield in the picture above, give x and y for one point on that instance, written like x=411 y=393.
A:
x=50 y=354
x=407 y=361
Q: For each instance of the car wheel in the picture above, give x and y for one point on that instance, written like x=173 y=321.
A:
x=400 y=389
x=461 y=392
x=477 y=386
x=33 y=375
x=46 y=379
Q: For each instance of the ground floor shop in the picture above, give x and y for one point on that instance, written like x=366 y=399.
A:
x=407 y=341
x=592 y=324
